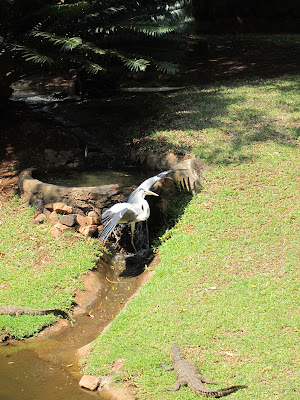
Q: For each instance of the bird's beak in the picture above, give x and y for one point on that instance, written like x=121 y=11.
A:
x=148 y=192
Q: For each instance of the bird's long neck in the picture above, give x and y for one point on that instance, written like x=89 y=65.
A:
x=146 y=211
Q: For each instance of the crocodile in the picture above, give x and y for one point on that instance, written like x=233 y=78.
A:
x=18 y=310
x=188 y=374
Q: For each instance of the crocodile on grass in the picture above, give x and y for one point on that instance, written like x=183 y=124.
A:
x=188 y=374
x=18 y=310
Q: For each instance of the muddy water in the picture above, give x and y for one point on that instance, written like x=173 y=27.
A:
x=46 y=367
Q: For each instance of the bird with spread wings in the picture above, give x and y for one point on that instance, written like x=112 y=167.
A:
x=133 y=210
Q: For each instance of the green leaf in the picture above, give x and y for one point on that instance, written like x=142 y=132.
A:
x=95 y=49
x=136 y=64
x=166 y=67
x=159 y=27
x=93 y=68
x=67 y=44
x=32 y=55
x=70 y=44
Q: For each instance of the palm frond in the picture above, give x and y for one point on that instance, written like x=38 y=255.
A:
x=134 y=64
x=157 y=28
x=93 y=48
x=32 y=55
x=114 y=10
x=167 y=67
x=65 y=11
x=66 y=43
x=92 y=68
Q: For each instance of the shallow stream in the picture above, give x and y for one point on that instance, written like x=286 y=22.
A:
x=46 y=367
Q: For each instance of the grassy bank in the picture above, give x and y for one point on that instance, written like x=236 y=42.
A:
x=37 y=270
x=226 y=286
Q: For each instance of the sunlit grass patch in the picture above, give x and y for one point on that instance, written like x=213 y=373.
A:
x=37 y=270
x=217 y=123
x=226 y=286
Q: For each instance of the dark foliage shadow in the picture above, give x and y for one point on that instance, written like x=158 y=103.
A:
x=206 y=110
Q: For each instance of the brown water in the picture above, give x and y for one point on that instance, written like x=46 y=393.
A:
x=46 y=368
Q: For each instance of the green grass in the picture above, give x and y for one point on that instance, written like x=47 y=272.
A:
x=226 y=286
x=37 y=270
x=219 y=123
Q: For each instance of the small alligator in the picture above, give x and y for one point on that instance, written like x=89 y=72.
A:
x=188 y=374
x=18 y=310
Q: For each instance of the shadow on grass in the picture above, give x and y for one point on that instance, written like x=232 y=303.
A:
x=219 y=124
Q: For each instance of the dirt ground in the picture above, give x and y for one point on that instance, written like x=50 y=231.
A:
x=25 y=134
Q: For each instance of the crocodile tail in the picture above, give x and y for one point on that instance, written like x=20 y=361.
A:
x=224 y=392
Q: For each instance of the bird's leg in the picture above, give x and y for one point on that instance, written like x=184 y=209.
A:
x=117 y=236
x=147 y=236
x=132 y=232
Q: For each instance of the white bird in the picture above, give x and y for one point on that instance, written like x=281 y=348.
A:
x=133 y=210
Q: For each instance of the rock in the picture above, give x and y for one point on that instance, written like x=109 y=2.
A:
x=62 y=208
x=68 y=220
x=55 y=232
x=49 y=206
x=87 y=220
x=90 y=382
x=94 y=213
x=89 y=230
x=39 y=219
x=169 y=160
x=58 y=159
x=63 y=157
x=82 y=220
x=152 y=159
x=46 y=212
x=161 y=161
x=164 y=187
x=53 y=218
x=73 y=165
x=50 y=156
x=93 y=220
x=61 y=227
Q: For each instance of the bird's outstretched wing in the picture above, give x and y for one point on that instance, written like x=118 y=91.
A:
x=147 y=184
x=110 y=220
x=113 y=216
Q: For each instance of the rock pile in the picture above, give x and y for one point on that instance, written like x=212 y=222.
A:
x=62 y=217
